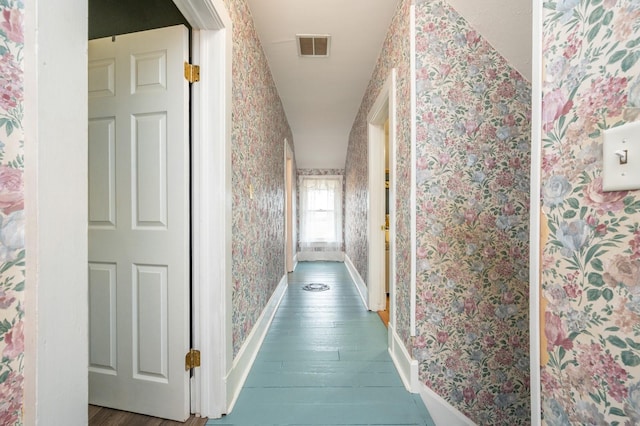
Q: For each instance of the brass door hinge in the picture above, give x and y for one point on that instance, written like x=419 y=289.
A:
x=191 y=72
x=192 y=360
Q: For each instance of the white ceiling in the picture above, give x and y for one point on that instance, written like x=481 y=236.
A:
x=321 y=96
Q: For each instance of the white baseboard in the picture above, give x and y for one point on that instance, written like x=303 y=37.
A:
x=313 y=256
x=441 y=411
x=407 y=367
x=357 y=279
x=246 y=356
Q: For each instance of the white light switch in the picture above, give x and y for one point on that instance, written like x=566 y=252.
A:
x=621 y=158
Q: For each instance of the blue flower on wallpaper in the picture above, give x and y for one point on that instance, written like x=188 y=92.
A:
x=503 y=132
x=554 y=414
x=566 y=7
x=555 y=190
x=576 y=320
x=504 y=400
x=633 y=97
x=479 y=89
x=587 y=413
x=506 y=311
x=632 y=404
x=478 y=176
x=11 y=235
x=573 y=235
x=507 y=222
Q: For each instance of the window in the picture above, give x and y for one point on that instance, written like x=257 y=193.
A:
x=320 y=210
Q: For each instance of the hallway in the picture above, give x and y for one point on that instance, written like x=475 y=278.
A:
x=324 y=361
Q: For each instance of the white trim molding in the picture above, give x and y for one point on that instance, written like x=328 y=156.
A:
x=312 y=256
x=211 y=205
x=412 y=194
x=249 y=350
x=56 y=158
x=407 y=366
x=383 y=109
x=535 y=218
x=357 y=280
x=441 y=411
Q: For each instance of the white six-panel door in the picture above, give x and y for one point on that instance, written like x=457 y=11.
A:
x=139 y=223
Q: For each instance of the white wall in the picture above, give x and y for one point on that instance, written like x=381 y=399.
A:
x=56 y=199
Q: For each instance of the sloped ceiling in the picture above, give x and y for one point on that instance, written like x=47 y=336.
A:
x=505 y=24
x=321 y=96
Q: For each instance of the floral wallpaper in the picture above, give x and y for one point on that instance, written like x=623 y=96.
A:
x=590 y=285
x=473 y=145
x=12 y=218
x=395 y=53
x=257 y=160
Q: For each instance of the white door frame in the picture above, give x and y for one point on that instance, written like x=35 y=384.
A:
x=211 y=202
x=289 y=223
x=383 y=108
x=56 y=131
x=535 y=212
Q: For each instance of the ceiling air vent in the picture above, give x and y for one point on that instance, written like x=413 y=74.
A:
x=314 y=45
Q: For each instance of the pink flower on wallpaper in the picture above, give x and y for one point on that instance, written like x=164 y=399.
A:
x=471 y=126
x=11 y=190
x=14 y=341
x=444 y=158
x=473 y=38
x=506 y=90
x=469 y=394
x=443 y=247
x=573 y=45
x=555 y=332
x=573 y=291
x=635 y=245
x=12 y=25
x=6 y=300
x=549 y=383
x=606 y=97
x=604 y=202
x=554 y=105
x=11 y=90
x=601 y=365
x=549 y=160
x=504 y=356
x=625 y=318
x=623 y=270
x=625 y=22
x=601 y=229
x=442 y=337
x=470 y=216
x=470 y=306
x=11 y=391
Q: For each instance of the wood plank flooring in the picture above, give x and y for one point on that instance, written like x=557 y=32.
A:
x=100 y=416
x=325 y=362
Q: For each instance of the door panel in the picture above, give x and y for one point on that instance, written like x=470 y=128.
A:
x=102 y=320
x=139 y=223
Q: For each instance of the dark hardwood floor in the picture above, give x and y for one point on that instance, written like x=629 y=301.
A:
x=100 y=416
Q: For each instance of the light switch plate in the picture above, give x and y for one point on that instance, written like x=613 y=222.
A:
x=617 y=176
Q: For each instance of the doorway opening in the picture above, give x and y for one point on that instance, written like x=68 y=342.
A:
x=382 y=146
x=290 y=207
x=210 y=213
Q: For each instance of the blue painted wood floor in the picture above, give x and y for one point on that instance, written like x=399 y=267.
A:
x=324 y=361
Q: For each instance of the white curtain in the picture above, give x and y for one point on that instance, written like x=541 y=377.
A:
x=321 y=213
